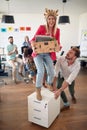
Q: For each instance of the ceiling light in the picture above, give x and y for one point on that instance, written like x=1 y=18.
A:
x=64 y=18
x=7 y=18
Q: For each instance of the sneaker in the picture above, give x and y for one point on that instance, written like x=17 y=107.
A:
x=66 y=104
x=65 y=107
x=74 y=100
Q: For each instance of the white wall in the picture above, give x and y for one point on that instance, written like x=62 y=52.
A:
x=69 y=32
x=82 y=23
x=83 y=34
x=21 y=20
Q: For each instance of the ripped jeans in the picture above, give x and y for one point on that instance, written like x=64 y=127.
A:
x=43 y=61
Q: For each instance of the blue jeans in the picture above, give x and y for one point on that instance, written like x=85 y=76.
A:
x=41 y=61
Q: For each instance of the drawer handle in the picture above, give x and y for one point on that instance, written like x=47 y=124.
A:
x=37 y=118
x=37 y=110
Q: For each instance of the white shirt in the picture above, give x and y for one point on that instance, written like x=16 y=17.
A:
x=70 y=72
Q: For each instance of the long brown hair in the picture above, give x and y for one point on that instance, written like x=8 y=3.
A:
x=54 y=29
x=54 y=13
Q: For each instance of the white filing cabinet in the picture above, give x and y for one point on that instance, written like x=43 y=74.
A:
x=45 y=111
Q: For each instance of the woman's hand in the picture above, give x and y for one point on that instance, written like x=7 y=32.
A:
x=34 y=46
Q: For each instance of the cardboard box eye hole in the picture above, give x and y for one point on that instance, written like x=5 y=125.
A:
x=45 y=43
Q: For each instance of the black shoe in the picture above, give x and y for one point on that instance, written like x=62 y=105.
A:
x=74 y=100
x=64 y=108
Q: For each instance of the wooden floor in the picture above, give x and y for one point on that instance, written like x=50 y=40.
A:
x=14 y=107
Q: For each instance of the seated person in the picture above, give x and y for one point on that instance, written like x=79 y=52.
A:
x=29 y=65
x=12 y=53
x=26 y=44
